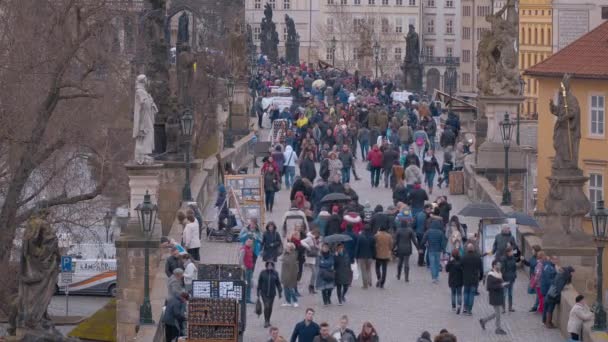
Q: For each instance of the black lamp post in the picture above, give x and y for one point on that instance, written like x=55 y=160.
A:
x=230 y=93
x=107 y=222
x=506 y=127
x=146 y=215
x=332 y=47
x=186 y=126
x=376 y=55
x=599 y=217
x=522 y=87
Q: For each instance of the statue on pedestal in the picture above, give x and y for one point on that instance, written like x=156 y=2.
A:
x=269 y=38
x=497 y=55
x=567 y=131
x=144 y=112
x=411 y=67
x=292 y=45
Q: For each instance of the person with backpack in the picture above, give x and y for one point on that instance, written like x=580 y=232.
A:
x=421 y=141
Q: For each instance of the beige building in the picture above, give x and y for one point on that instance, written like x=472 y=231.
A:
x=348 y=20
x=574 y=18
x=305 y=14
x=473 y=14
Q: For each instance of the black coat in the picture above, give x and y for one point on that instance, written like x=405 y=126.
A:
x=454 y=269
x=299 y=185
x=472 y=269
x=403 y=241
x=509 y=268
x=400 y=194
x=388 y=158
x=333 y=225
x=495 y=290
x=336 y=187
x=411 y=159
x=379 y=220
x=366 y=246
x=344 y=274
x=307 y=169
x=271 y=242
x=269 y=283
x=418 y=197
x=444 y=211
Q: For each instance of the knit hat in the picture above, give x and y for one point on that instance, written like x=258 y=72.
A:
x=352 y=217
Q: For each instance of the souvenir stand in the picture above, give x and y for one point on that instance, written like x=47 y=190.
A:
x=246 y=197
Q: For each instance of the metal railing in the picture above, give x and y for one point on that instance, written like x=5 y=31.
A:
x=439 y=60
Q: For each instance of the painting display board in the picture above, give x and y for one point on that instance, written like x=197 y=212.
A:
x=223 y=289
x=247 y=196
x=213 y=320
x=489 y=228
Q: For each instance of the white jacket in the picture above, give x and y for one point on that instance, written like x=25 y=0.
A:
x=190 y=273
x=290 y=156
x=191 y=236
x=578 y=315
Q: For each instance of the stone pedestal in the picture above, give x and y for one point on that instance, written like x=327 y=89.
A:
x=142 y=178
x=412 y=73
x=292 y=52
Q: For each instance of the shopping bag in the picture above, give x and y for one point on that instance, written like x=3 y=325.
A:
x=258 y=307
x=355 y=270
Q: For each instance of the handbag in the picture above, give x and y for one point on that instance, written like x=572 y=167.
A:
x=258 y=307
x=327 y=275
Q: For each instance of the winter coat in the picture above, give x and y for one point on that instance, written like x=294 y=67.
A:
x=448 y=138
x=344 y=274
x=289 y=269
x=333 y=225
x=191 y=236
x=270 y=182
x=388 y=158
x=363 y=135
x=434 y=238
x=318 y=192
x=406 y=135
x=365 y=248
x=563 y=277
x=308 y=170
x=413 y=174
x=334 y=187
x=291 y=158
x=335 y=168
x=472 y=269
x=430 y=165
x=375 y=157
x=175 y=312
x=547 y=276
x=509 y=268
x=411 y=159
x=346 y=158
x=579 y=314
x=384 y=245
x=325 y=262
x=171 y=264
x=269 y=284
x=271 y=243
x=500 y=244
x=495 y=289
x=403 y=241
x=444 y=211
x=418 y=197
x=455 y=275
x=400 y=194
x=312 y=247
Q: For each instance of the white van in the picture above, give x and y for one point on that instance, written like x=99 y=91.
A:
x=92 y=276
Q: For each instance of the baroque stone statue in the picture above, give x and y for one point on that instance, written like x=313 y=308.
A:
x=412 y=46
x=185 y=76
x=39 y=268
x=292 y=45
x=411 y=67
x=269 y=38
x=144 y=112
x=183 y=31
x=567 y=131
x=497 y=55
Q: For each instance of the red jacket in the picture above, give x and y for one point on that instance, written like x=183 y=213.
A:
x=375 y=157
x=248 y=257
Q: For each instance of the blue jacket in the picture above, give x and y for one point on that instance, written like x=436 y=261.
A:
x=349 y=246
x=435 y=238
x=365 y=248
x=304 y=333
x=175 y=312
x=546 y=278
x=420 y=222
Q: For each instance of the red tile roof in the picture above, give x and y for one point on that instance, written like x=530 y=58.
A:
x=586 y=57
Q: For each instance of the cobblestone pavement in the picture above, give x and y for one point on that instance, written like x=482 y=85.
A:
x=401 y=311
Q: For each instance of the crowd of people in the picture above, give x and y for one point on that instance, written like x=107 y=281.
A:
x=330 y=125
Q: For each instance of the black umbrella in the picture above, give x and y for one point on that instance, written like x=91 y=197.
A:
x=336 y=238
x=335 y=197
x=523 y=219
x=483 y=210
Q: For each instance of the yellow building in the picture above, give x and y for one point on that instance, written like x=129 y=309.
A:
x=586 y=60
x=535 y=45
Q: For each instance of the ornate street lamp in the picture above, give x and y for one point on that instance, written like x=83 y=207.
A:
x=107 y=223
x=186 y=127
x=146 y=215
x=522 y=87
x=230 y=93
x=506 y=127
x=599 y=217
x=376 y=55
x=332 y=47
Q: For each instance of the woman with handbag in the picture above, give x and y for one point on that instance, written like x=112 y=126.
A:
x=325 y=273
x=271 y=185
x=271 y=243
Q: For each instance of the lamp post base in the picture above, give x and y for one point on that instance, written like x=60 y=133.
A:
x=145 y=313
x=599 y=321
x=506 y=198
x=186 y=193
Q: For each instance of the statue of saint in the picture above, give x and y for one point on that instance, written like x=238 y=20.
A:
x=567 y=130
x=144 y=112
x=39 y=268
x=183 y=30
x=185 y=76
x=291 y=28
x=412 y=46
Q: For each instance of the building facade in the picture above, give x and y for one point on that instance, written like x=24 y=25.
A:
x=441 y=38
x=535 y=45
x=473 y=13
x=358 y=24
x=574 y=18
x=305 y=14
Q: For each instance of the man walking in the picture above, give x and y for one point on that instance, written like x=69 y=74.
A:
x=472 y=273
x=364 y=253
x=384 y=247
x=435 y=240
x=495 y=284
x=306 y=330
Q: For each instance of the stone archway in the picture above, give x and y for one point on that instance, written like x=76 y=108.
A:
x=433 y=80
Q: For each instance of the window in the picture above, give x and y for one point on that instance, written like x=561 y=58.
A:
x=430 y=26
x=398 y=54
x=383 y=54
x=330 y=2
x=449 y=3
x=412 y=2
x=284 y=33
x=430 y=3
x=272 y=3
x=466 y=11
x=356 y=53
x=429 y=50
x=384 y=2
x=330 y=25
x=597 y=115
x=343 y=2
x=480 y=31
x=449 y=51
x=398 y=25
x=466 y=33
x=466 y=56
x=286 y=4
x=256 y=32
x=328 y=54
x=596 y=188
x=399 y=2
x=449 y=26
x=604 y=12
x=384 y=24
x=357 y=2
x=466 y=79
x=482 y=11
x=257 y=4
x=357 y=24
x=371 y=2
